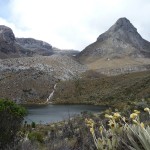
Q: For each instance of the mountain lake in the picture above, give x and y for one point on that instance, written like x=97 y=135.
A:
x=53 y=113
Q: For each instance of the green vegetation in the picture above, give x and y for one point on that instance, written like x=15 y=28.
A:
x=11 y=117
x=99 y=89
x=33 y=124
x=36 y=136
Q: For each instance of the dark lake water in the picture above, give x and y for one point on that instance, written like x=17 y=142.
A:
x=53 y=113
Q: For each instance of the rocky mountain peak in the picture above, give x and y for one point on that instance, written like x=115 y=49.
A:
x=122 y=29
x=119 y=49
x=123 y=24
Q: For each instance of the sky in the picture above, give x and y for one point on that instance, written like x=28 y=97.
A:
x=72 y=24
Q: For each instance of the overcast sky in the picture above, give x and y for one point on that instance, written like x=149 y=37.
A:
x=72 y=24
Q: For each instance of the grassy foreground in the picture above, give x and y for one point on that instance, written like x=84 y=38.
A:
x=110 y=130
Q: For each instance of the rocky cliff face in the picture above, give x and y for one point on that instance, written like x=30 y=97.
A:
x=36 y=46
x=6 y=35
x=119 y=47
x=11 y=47
x=7 y=42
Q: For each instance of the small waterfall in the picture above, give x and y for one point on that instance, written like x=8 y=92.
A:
x=51 y=94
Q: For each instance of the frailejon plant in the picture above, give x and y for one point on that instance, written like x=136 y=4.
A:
x=133 y=136
x=138 y=134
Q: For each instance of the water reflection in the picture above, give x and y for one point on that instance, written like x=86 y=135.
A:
x=53 y=113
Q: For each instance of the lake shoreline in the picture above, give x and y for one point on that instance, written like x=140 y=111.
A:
x=54 y=113
x=46 y=104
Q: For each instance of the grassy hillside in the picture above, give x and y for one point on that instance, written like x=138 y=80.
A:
x=99 y=89
x=30 y=86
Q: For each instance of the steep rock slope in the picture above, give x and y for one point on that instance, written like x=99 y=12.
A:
x=118 y=48
x=8 y=46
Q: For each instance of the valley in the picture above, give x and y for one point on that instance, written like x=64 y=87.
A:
x=30 y=68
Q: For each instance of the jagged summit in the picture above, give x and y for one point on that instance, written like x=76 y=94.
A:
x=121 y=27
x=125 y=31
x=124 y=24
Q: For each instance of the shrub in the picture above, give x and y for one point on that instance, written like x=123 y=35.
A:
x=36 y=136
x=33 y=124
x=11 y=117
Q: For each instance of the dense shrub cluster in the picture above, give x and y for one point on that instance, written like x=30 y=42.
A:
x=11 y=117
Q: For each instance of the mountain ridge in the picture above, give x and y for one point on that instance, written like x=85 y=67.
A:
x=13 y=47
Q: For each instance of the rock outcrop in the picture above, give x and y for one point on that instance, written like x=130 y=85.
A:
x=8 y=45
x=11 y=47
x=36 y=46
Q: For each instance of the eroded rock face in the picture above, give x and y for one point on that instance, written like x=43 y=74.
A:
x=36 y=46
x=11 y=47
x=6 y=34
x=7 y=40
